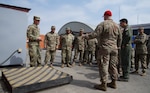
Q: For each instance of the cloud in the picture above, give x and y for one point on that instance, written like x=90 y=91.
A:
x=97 y=5
x=54 y=12
x=134 y=10
x=59 y=16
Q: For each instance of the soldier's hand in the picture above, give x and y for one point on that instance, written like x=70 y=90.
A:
x=56 y=48
x=85 y=36
x=119 y=48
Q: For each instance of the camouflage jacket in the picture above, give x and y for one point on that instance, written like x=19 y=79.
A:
x=80 y=43
x=140 y=41
x=51 y=41
x=92 y=44
x=67 y=41
x=148 y=45
x=108 y=34
x=33 y=33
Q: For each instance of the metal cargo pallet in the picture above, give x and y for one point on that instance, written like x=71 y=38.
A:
x=23 y=80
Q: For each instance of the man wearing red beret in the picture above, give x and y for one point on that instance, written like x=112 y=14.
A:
x=109 y=39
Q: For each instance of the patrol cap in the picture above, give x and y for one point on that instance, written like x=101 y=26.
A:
x=36 y=18
x=124 y=20
x=52 y=27
x=107 y=13
x=68 y=28
x=81 y=30
x=141 y=28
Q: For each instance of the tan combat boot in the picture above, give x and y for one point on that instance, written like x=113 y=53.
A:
x=112 y=84
x=135 y=72
x=102 y=87
x=62 y=66
x=143 y=72
x=51 y=65
x=68 y=65
x=73 y=64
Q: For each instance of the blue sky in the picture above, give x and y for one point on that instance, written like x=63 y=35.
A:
x=60 y=12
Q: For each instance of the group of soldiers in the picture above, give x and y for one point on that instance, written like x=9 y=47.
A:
x=85 y=48
x=110 y=42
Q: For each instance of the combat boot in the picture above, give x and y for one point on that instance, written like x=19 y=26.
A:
x=73 y=64
x=143 y=74
x=62 y=66
x=51 y=65
x=80 y=64
x=90 y=63
x=135 y=72
x=68 y=65
x=102 y=87
x=112 y=84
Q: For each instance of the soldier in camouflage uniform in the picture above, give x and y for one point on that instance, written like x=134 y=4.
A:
x=85 y=56
x=79 y=47
x=51 y=43
x=66 y=46
x=73 y=46
x=109 y=38
x=140 y=51
x=91 y=49
x=33 y=35
x=148 y=50
x=125 y=50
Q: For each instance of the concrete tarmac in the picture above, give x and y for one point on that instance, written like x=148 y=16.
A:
x=85 y=77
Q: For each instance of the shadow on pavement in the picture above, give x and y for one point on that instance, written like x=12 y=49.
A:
x=83 y=83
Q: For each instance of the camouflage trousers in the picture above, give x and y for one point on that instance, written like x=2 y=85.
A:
x=107 y=63
x=142 y=59
x=66 y=56
x=148 y=60
x=85 y=56
x=132 y=58
x=49 y=56
x=91 y=54
x=80 y=53
x=35 y=57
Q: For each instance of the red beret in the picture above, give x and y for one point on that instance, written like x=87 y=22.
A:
x=108 y=13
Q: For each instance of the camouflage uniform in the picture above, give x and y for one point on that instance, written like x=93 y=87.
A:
x=148 y=50
x=109 y=39
x=85 y=56
x=75 y=47
x=66 y=46
x=33 y=33
x=91 y=49
x=79 y=48
x=51 y=43
x=72 y=46
x=140 y=51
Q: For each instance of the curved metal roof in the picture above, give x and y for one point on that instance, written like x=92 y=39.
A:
x=75 y=27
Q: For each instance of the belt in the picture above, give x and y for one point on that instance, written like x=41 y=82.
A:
x=33 y=40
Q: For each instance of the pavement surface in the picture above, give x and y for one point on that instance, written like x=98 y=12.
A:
x=85 y=77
